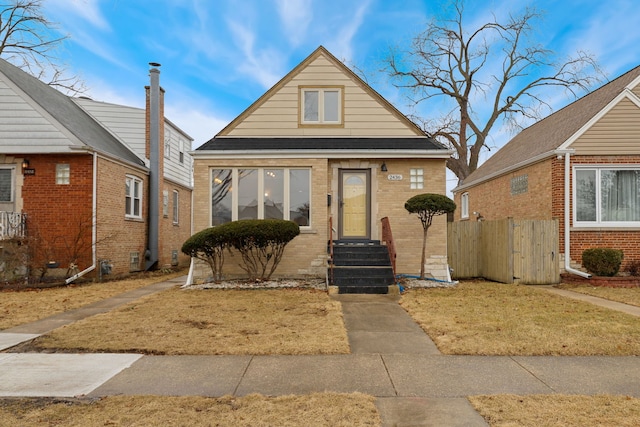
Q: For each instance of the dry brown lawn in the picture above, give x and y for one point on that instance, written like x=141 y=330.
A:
x=23 y=306
x=321 y=409
x=558 y=410
x=624 y=295
x=485 y=318
x=209 y=322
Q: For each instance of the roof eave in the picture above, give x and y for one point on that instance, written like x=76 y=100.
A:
x=314 y=154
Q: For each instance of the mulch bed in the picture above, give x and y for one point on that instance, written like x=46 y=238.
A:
x=611 y=282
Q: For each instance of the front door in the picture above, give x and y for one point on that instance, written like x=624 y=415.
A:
x=354 y=212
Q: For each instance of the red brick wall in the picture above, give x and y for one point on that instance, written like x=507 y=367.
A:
x=626 y=239
x=60 y=214
x=173 y=235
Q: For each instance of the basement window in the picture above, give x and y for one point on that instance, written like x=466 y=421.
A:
x=134 y=261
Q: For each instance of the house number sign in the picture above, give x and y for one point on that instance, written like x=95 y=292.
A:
x=394 y=177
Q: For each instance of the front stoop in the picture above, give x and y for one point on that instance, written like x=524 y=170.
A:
x=362 y=267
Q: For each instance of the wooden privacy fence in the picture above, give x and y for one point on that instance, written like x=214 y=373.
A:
x=507 y=250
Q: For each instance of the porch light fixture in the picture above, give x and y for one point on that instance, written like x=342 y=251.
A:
x=25 y=164
x=383 y=168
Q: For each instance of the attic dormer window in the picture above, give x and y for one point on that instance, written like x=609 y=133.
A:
x=321 y=105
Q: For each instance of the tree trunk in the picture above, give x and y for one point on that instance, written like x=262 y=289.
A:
x=424 y=253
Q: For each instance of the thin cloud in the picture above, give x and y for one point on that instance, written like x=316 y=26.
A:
x=88 y=10
x=296 y=15
x=259 y=66
x=342 y=43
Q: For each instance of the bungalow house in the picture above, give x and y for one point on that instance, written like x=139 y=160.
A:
x=87 y=187
x=325 y=150
x=580 y=165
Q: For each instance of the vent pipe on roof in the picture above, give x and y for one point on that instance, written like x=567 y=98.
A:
x=151 y=255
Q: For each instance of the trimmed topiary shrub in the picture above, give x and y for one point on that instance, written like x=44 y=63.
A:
x=208 y=245
x=261 y=243
x=602 y=261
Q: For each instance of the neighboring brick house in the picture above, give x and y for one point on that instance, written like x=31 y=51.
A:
x=80 y=175
x=580 y=165
x=320 y=146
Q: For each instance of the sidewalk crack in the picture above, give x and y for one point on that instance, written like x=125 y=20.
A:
x=235 y=390
x=386 y=368
x=532 y=374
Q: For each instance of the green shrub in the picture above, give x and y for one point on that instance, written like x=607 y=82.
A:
x=261 y=243
x=602 y=261
x=208 y=245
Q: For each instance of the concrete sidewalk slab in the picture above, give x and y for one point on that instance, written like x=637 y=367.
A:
x=459 y=376
x=8 y=340
x=589 y=375
x=178 y=375
x=282 y=375
x=428 y=412
x=58 y=375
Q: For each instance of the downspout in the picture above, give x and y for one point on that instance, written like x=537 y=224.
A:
x=94 y=225
x=151 y=253
x=567 y=220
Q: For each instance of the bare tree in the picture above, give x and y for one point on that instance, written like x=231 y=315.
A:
x=485 y=75
x=25 y=41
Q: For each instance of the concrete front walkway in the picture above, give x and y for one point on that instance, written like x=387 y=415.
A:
x=392 y=359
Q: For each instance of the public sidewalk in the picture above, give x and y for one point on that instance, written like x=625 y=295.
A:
x=391 y=358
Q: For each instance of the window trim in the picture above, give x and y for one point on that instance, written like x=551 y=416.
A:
x=464 y=205
x=12 y=183
x=260 y=191
x=598 y=223
x=321 y=122
x=176 y=207
x=134 y=180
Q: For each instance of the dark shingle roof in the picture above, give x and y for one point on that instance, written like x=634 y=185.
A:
x=551 y=132
x=316 y=143
x=66 y=112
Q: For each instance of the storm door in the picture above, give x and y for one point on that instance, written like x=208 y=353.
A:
x=354 y=204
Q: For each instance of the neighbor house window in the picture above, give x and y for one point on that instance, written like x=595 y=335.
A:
x=165 y=203
x=181 y=150
x=519 y=184
x=416 y=178
x=260 y=193
x=63 y=173
x=464 y=205
x=133 y=197
x=6 y=185
x=176 y=206
x=321 y=105
x=607 y=196
x=167 y=144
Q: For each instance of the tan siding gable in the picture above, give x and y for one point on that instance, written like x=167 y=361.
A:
x=616 y=133
x=365 y=113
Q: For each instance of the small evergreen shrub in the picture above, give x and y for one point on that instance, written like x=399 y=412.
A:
x=602 y=261
x=634 y=268
x=208 y=245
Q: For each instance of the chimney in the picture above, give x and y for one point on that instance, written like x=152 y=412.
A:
x=155 y=130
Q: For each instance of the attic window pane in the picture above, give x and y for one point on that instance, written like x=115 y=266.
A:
x=331 y=106
x=311 y=106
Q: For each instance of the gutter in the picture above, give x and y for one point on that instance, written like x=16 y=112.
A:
x=567 y=217
x=94 y=225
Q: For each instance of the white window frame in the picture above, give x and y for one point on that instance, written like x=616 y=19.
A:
x=134 y=180
x=165 y=203
x=464 y=206
x=598 y=222
x=321 y=96
x=260 y=191
x=181 y=145
x=12 y=183
x=167 y=144
x=176 y=206
x=416 y=178
x=63 y=174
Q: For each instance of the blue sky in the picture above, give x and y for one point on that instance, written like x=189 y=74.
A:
x=218 y=56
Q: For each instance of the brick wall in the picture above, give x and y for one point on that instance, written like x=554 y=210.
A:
x=584 y=238
x=118 y=236
x=59 y=215
x=493 y=199
x=172 y=234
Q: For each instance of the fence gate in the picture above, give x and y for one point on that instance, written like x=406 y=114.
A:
x=507 y=250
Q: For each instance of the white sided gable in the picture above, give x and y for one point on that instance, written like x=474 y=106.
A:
x=364 y=113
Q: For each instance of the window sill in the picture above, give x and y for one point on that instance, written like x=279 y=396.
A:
x=133 y=219
x=308 y=231
x=605 y=228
